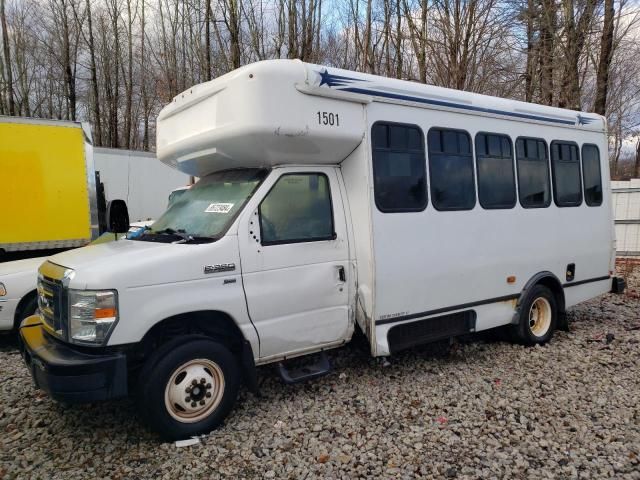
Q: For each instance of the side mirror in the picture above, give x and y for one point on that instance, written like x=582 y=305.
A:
x=117 y=216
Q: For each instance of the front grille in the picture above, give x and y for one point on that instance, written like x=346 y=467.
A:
x=50 y=304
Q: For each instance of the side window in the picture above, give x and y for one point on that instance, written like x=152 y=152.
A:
x=399 y=168
x=565 y=167
x=496 y=178
x=451 y=170
x=532 y=159
x=297 y=209
x=591 y=174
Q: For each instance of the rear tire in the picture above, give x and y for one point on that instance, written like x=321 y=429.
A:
x=538 y=317
x=188 y=387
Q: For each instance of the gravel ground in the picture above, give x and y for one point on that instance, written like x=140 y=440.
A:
x=487 y=409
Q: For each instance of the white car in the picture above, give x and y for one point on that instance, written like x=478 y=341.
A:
x=18 y=298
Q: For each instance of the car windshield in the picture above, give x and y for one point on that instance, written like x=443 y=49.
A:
x=205 y=211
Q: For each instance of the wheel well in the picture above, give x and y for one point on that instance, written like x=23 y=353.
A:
x=550 y=281
x=210 y=323
x=556 y=288
x=214 y=324
x=21 y=305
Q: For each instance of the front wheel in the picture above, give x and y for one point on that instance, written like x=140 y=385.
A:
x=538 y=317
x=188 y=388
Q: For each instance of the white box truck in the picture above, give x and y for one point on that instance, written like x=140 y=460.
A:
x=139 y=179
x=328 y=201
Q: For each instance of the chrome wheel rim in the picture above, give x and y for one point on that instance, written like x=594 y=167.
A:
x=194 y=390
x=540 y=317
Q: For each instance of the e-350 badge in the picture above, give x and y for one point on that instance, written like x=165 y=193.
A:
x=219 y=267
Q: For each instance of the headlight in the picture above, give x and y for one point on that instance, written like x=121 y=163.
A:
x=3 y=291
x=92 y=315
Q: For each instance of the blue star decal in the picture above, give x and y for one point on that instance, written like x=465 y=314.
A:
x=585 y=120
x=330 y=80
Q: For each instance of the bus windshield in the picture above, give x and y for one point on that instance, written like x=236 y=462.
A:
x=206 y=210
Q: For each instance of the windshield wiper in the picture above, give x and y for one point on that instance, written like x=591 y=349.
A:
x=184 y=236
x=165 y=235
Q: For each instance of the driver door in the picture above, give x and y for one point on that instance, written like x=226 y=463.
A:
x=295 y=252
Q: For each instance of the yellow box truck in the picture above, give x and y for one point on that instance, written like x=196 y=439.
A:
x=47 y=187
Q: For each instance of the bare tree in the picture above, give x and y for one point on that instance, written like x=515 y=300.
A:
x=575 y=34
x=7 y=59
x=606 y=52
x=418 y=34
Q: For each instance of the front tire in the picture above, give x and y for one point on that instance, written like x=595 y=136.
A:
x=538 y=317
x=188 y=387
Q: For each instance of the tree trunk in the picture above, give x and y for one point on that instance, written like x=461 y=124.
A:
x=129 y=80
x=575 y=39
x=66 y=61
x=530 y=51
x=234 y=33
x=547 y=40
x=143 y=84
x=7 y=59
x=606 y=53
x=97 y=123
x=293 y=30
x=398 y=40
x=207 y=38
x=368 y=53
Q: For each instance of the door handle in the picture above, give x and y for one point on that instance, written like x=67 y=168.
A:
x=341 y=275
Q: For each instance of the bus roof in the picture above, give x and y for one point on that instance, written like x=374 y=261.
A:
x=264 y=114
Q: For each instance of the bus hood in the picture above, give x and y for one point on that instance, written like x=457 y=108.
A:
x=132 y=263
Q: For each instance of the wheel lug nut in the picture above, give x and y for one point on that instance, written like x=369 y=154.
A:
x=194 y=382
x=187 y=399
x=208 y=394
x=208 y=386
x=194 y=404
x=188 y=389
x=203 y=381
x=201 y=402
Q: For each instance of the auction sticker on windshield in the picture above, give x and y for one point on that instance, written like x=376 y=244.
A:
x=219 y=208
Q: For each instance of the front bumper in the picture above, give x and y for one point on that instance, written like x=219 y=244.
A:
x=69 y=375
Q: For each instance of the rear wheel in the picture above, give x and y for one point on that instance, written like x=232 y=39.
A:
x=538 y=317
x=188 y=388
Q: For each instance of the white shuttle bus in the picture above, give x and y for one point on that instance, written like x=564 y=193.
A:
x=328 y=201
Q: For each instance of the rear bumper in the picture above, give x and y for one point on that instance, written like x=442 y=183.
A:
x=618 y=285
x=68 y=375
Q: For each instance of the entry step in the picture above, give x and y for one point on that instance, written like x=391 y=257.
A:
x=307 y=371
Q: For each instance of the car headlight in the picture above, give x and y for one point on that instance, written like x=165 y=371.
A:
x=92 y=315
x=3 y=291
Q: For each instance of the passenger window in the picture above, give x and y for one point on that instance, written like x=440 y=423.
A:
x=591 y=174
x=534 y=187
x=297 y=209
x=565 y=167
x=399 y=168
x=451 y=170
x=494 y=164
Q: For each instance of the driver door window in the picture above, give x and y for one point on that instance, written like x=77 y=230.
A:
x=297 y=209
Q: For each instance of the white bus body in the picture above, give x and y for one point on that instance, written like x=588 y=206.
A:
x=380 y=233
